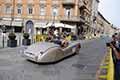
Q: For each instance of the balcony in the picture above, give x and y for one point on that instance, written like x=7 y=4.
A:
x=86 y=19
x=82 y=17
x=68 y=2
x=73 y=19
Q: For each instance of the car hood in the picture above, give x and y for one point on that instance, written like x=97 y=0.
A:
x=40 y=47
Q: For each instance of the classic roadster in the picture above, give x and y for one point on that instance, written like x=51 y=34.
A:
x=47 y=52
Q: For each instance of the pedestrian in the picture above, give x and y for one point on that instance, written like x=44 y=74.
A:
x=73 y=36
x=56 y=32
x=117 y=64
x=119 y=40
x=116 y=55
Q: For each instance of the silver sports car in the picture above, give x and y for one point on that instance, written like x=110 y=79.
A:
x=45 y=52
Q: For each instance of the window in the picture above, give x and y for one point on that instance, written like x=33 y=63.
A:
x=8 y=9
x=19 y=9
x=68 y=12
x=54 y=11
x=30 y=9
x=42 y=10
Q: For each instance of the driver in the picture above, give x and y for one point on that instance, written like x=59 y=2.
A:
x=64 y=42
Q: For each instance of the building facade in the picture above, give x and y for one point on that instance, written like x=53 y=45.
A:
x=104 y=27
x=31 y=14
x=86 y=13
x=94 y=15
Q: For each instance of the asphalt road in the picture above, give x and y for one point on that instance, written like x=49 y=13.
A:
x=79 y=67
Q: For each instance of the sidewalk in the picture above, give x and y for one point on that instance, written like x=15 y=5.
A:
x=19 y=38
x=92 y=36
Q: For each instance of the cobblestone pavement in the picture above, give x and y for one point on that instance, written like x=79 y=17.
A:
x=79 y=67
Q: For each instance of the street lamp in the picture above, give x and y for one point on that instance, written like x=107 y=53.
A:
x=52 y=27
x=54 y=14
x=3 y=35
x=0 y=22
x=22 y=31
x=22 y=25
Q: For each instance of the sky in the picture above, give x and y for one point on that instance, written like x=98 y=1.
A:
x=110 y=9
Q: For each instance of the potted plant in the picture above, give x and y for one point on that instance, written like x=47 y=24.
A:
x=26 y=36
x=12 y=36
x=11 y=41
x=26 y=41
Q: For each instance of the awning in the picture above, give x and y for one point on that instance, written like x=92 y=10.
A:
x=57 y=25
x=16 y=23
x=5 y=23
x=39 y=25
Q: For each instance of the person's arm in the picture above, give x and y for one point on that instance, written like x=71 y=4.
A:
x=117 y=54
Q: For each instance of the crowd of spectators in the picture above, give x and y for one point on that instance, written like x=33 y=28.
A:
x=115 y=45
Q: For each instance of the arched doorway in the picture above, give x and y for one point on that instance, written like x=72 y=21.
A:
x=29 y=27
